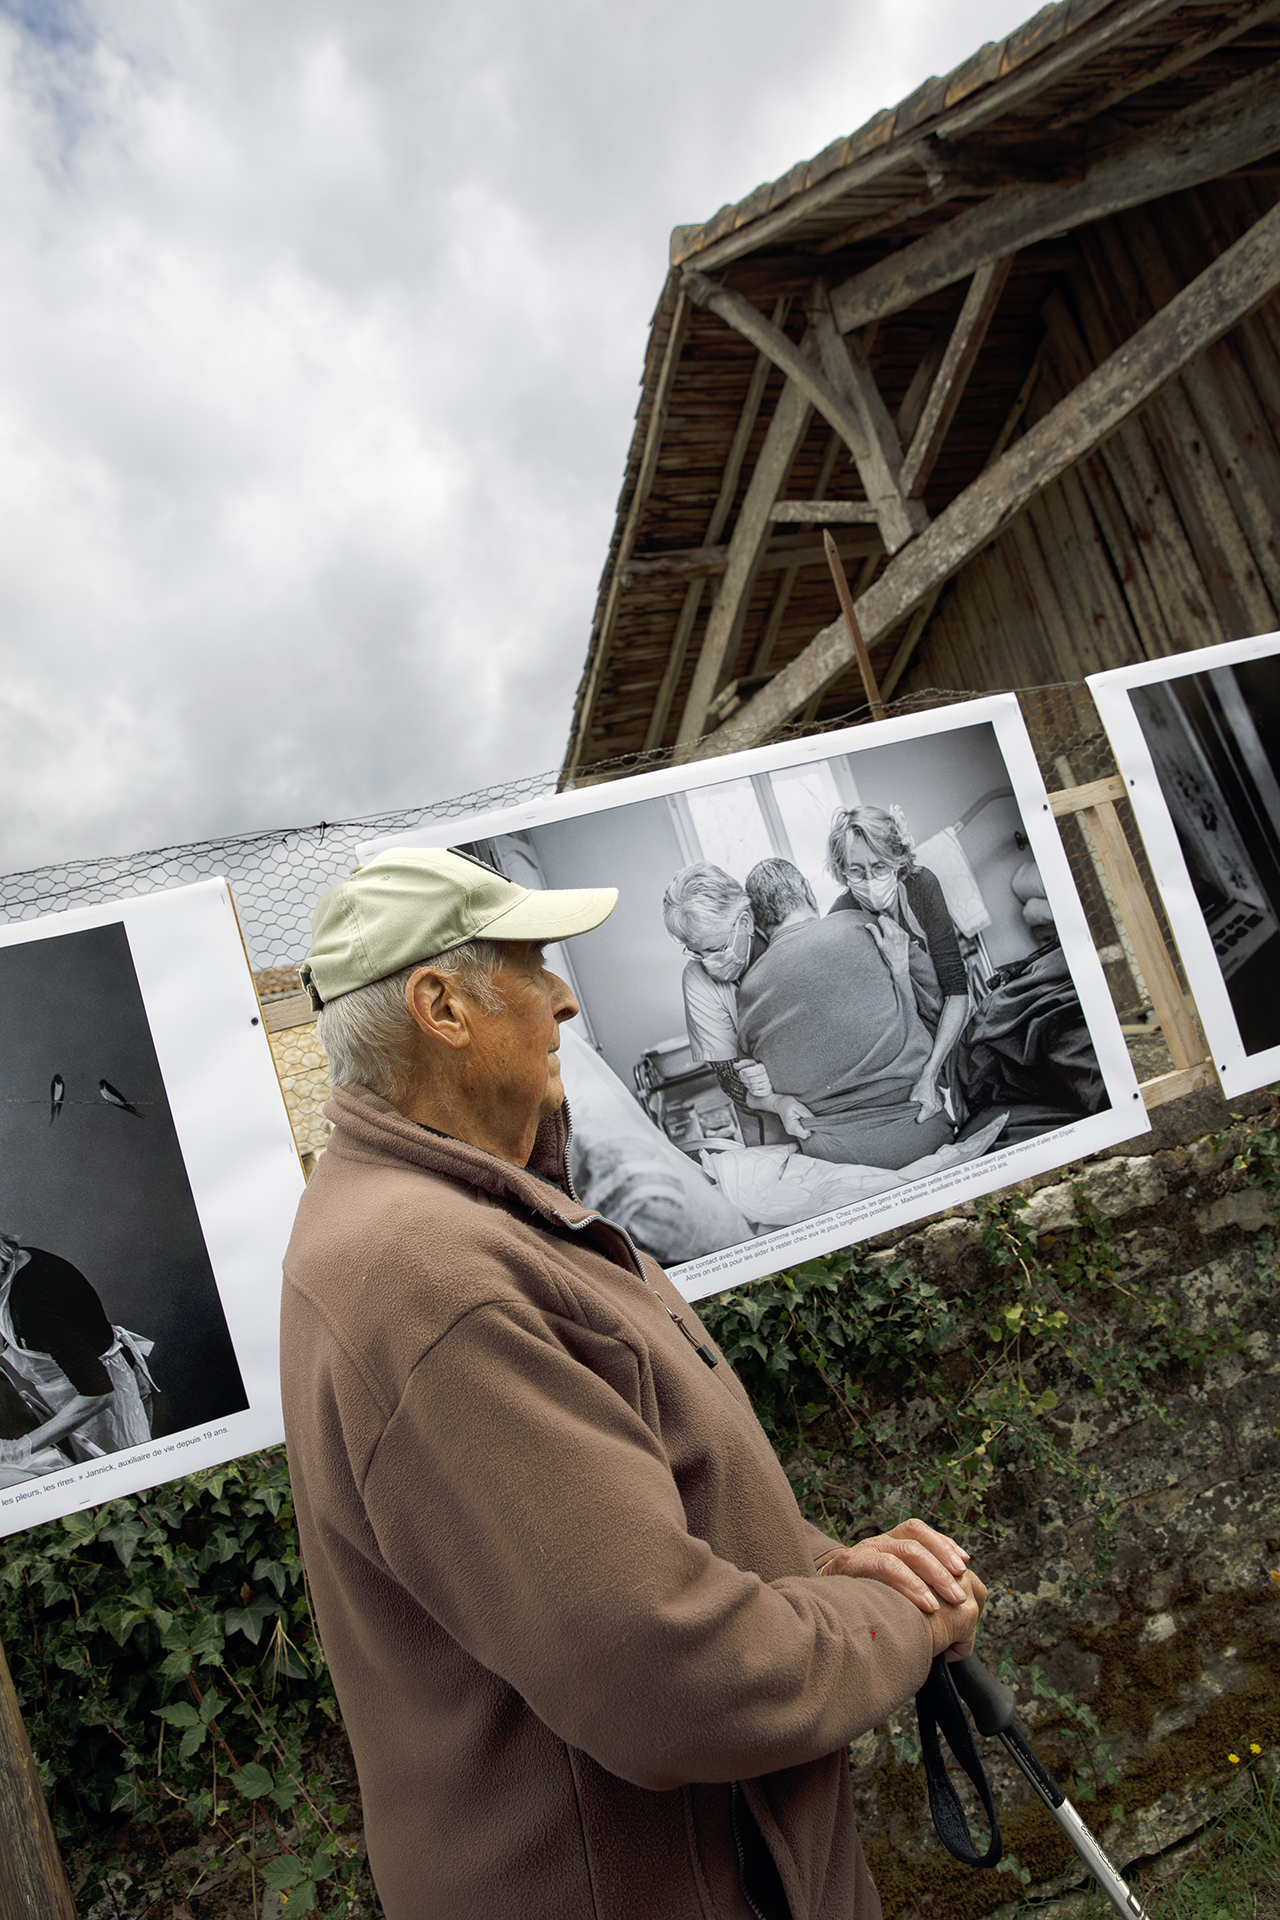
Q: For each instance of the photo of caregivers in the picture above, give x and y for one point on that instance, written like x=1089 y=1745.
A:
x=824 y=981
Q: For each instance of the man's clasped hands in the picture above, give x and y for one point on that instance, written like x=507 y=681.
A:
x=933 y=1573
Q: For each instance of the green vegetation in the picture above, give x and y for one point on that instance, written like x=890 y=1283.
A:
x=163 y=1647
x=165 y=1658
x=830 y=1352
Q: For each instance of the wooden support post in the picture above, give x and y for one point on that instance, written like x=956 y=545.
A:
x=855 y=631
x=879 y=456
x=33 y=1882
x=952 y=376
x=598 y=659
x=1094 y=807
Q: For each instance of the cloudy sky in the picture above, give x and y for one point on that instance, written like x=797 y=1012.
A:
x=320 y=328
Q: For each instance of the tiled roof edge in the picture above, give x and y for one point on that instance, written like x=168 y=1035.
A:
x=985 y=68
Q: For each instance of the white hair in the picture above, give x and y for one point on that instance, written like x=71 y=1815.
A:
x=699 y=897
x=369 y=1034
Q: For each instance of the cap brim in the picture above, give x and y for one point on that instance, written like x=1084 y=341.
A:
x=548 y=914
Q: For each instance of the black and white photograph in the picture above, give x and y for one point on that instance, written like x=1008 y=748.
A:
x=848 y=981
x=137 y=1313
x=1197 y=738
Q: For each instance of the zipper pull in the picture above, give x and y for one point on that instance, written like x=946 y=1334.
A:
x=700 y=1348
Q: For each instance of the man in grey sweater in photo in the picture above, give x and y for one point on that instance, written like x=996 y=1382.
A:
x=593 y=1661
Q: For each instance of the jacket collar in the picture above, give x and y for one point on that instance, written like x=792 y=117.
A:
x=544 y=1185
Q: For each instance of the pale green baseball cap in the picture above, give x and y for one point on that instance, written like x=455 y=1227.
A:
x=413 y=902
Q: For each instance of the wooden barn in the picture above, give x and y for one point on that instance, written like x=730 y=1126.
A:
x=1015 y=342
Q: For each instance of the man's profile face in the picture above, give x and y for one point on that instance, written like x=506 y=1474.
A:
x=515 y=1047
x=722 y=944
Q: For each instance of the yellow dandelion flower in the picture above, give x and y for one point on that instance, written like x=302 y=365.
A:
x=1254 y=1747
x=1234 y=1758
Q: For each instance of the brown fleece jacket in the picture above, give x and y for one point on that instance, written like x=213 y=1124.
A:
x=564 y=1587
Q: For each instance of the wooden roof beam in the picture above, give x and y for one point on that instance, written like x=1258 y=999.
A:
x=1220 y=32
x=715 y=527
x=787 y=429
x=1239 y=125
x=879 y=464
x=980 y=107
x=644 y=486
x=1237 y=282
x=840 y=386
x=952 y=377
x=707 y=563
x=790 y=574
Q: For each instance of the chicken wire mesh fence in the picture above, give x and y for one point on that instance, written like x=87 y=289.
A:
x=277 y=875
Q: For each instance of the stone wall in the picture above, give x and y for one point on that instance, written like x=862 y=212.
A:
x=1177 y=1650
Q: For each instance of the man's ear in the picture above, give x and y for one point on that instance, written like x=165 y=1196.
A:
x=439 y=1007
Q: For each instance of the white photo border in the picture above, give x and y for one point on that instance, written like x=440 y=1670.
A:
x=241 y=1160
x=1126 y=1115
x=1238 y=1071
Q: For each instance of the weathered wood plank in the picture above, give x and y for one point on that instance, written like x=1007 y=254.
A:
x=1208 y=384
x=952 y=377
x=1172 y=1086
x=1181 y=1033
x=1092 y=794
x=909 y=642
x=1166 y=555
x=879 y=461
x=33 y=1883
x=1182 y=447
x=782 y=594
x=1224 y=27
x=1016 y=83
x=1232 y=286
x=786 y=431
x=908 y=415
x=812 y=380
x=287 y=1010
x=644 y=484
x=657 y=724
x=824 y=513
x=1239 y=124
x=920 y=618
x=708 y=563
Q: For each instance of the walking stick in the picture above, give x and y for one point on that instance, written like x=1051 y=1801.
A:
x=994 y=1711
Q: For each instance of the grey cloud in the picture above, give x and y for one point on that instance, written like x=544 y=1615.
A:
x=319 y=336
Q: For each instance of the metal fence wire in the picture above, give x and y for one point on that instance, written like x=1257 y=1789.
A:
x=276 y=876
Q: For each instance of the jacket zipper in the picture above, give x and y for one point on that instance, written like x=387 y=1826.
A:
x=704 y=1352
x=735 y=1797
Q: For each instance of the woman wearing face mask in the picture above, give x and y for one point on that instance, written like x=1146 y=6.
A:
x=870 y=852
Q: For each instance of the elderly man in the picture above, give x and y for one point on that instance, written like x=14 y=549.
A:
x=592 y=1660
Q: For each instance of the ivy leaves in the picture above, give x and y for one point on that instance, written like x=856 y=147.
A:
x=885 y=1395
x=164 y=1654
